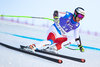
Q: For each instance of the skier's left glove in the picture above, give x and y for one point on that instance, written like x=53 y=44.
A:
x=81 y=48
x=78 y=40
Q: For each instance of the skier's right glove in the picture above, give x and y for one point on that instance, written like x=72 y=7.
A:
x=81 y=48
x=56 y=16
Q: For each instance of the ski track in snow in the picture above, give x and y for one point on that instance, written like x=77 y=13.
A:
x=11 y=58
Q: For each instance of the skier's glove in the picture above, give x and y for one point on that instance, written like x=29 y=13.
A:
x=81 y=48
x=78 y=40
x=55 y=14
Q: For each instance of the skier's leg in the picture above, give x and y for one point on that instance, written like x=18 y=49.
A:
x=51 y=37
x=59 y=42
x=50 y=40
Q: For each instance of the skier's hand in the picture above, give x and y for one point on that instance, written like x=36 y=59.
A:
x=81 y=48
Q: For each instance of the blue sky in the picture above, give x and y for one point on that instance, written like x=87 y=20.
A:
x=45 y=8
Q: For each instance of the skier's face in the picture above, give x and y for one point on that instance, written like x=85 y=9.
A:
x=78 y=19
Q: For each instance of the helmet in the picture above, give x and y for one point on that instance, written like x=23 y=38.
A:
x=79 y=12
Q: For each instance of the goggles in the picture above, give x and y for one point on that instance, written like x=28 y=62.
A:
x=80 y=16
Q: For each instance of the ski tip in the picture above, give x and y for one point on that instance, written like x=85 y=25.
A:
x=83 y=60
x=60 y=61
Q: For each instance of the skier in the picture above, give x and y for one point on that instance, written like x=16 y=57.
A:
x=57 y=33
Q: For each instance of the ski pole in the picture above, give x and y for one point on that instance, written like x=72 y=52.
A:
x=27 y=17
x=65 y=45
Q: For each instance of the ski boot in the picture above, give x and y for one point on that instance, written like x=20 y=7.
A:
x=51 y=49
x=31 y=48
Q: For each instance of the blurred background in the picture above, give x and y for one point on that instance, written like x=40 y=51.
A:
x=45 y=8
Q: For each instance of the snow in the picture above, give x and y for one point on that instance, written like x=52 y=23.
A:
x=11 y=58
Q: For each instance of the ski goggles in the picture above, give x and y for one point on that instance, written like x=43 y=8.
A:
x=80 y=16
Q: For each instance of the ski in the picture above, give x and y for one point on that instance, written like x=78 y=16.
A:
x=55 y=54
x=63 y=56
x=31 y=53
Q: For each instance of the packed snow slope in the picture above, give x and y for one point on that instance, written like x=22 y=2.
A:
x=15 y=34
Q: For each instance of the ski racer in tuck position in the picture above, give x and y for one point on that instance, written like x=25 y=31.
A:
x=57 y=32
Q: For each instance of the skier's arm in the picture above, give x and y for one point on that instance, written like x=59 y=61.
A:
x=78 y=39
x=63 y=12
x=77 y=36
